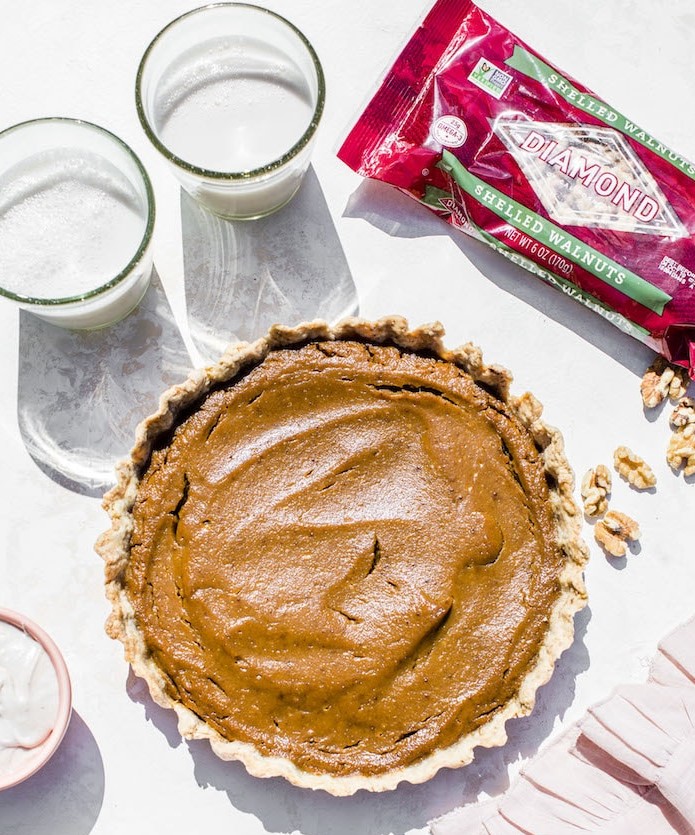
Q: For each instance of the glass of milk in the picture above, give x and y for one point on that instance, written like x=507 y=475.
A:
x=76 y=221
x=232 y=94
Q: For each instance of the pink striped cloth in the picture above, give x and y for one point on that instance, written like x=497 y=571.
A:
x=627 y=768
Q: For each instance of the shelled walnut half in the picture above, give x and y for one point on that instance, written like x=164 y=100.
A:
x=596 y=485
x=684 y=413
x=633 y=468
x=614 y=531
x=681 y=447
x=662 y=380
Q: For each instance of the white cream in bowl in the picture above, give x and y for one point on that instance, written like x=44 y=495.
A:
x=29 y=700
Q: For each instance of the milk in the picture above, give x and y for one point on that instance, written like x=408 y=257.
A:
x=70 y=222
x=232 y=104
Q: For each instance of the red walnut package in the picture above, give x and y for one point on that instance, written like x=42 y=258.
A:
x=477 y=126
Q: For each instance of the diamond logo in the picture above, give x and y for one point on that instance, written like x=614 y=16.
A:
x=589 y=176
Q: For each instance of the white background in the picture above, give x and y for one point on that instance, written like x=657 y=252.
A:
x=122 y=767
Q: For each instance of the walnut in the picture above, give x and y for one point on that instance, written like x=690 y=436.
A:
x=596 y=485
x=684 y=413
x=633 y=469
x=662 y=380
x=614 y=531
x=681 y=449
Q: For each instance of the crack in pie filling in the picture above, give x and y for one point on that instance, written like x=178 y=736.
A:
x=345 y=556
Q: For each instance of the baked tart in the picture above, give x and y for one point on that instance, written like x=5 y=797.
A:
x=346 y=556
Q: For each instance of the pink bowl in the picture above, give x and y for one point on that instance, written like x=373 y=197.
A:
x=44 y=752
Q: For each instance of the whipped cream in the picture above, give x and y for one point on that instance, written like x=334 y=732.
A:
x=28 y=698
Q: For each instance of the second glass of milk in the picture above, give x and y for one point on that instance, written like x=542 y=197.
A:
x=76 y=221
x=231 y=95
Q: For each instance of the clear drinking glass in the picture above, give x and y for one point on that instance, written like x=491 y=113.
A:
x=232 y=94
x=76 y=221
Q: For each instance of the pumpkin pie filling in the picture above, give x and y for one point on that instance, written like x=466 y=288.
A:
x=346 y=556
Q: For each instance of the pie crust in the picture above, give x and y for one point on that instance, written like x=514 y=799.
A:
x=114 y=546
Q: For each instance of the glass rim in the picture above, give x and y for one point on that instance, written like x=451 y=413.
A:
x=147 y=234
x=237 y=176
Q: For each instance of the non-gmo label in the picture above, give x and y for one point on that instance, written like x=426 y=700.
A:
x=490 y=78
x=449 y=131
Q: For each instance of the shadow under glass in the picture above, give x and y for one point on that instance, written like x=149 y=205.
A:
x=244 y=276
x=82 y=393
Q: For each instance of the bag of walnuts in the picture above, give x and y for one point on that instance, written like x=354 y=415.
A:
x=505 y=147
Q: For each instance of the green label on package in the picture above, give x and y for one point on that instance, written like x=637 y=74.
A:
x=556 y=238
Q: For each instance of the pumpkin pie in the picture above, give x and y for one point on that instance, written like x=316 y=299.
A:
x=345 y=556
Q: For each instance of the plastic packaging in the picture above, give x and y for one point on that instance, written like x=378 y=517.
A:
x=505 y=147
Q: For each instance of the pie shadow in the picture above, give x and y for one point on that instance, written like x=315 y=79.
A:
x=282 y=807
x=65 y=796
x=399 y=215
x=82 y=393
x=241 y=277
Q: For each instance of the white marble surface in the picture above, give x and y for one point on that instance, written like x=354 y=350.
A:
x=71 y=400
